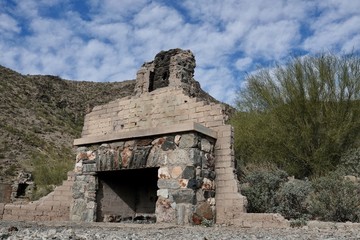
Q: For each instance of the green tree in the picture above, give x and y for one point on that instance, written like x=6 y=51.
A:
x=301 y=116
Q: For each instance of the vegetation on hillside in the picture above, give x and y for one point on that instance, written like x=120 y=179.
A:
x=40 y=117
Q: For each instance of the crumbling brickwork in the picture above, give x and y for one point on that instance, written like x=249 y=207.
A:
x=53 y=207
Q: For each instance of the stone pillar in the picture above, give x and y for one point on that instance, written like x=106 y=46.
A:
x=83 y=207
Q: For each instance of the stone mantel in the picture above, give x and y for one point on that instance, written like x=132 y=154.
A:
x=178 y=128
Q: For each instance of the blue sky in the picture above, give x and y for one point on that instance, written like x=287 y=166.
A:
x=108 y=40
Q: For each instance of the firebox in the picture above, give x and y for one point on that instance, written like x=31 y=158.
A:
x=127 y=195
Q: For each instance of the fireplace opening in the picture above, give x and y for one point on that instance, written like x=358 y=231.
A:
x=127 y=195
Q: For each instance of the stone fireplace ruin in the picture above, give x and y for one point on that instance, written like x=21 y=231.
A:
x=165 y=154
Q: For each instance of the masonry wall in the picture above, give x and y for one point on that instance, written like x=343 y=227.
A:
x=167 y=175
x=168 y=107
x=53 y=207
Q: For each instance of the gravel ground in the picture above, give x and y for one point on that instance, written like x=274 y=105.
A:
x=104 y=231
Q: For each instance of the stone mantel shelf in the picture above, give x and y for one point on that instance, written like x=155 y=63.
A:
x=185 y=127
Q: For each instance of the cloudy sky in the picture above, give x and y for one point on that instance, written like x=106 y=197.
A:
x=108 y=40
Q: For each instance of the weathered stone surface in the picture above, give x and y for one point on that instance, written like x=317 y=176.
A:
x=183 y=196
x=195 y=183
x=206 y=146
x=79 y=211
x=81 y=149
x=183 y=213
x=204 y=211
x=176 y=172
x=177 y=139
x=158 y=141
x=178 y=157
x=89 y=167
x=126 y=156
x=209 y=193
x=78 y=166
x=200 y=196
x=189 y=172
x=183 y=183
x=163 y=173
x=206 y=173
x=78 y=190
x=156 y=157
x=168 y=183
x=164 y=193
x=117 y=145
x=208 y=184
x=169 y=144
x=211 y=201
x=196 y=157
x=188 y=141
x=139 y=158
x=164 y=212
x=208 y=161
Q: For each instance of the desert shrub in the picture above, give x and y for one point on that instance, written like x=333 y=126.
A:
x=11 y=171
x=350 y=162
x=291 y=199
x=261 y=188
x=335 y=199
x=302 y=116
x=297 y=223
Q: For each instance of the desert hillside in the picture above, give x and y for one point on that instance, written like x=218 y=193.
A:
x=41 y=115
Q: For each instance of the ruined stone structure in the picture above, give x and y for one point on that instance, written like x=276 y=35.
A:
x=165 y=154
x=171 y=143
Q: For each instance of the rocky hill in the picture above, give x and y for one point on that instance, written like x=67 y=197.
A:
x=40 y=117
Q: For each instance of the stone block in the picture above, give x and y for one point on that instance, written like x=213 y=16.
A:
x=195 y=156
x=163 y=193
x=194 y=183
x=164 y=211
x=176 y=172
x=183 y=183
x=168 y=184
x=204 y=211
x=163 y=173
x=206 y=173
x=183 y=196
x=189 y=172
x=208 y=184
x=188 y=141
x=140 y=155
x=206 y=146
x=178 y=157
x=183 y=213
x=89 y=167
x=209 y=194
x=79 y=212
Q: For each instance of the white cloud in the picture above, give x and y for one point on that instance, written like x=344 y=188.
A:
x=272 y=40
x=108 y=40
x=334 y=34
x=243 y=63
x=336 y=26
x=8 y=24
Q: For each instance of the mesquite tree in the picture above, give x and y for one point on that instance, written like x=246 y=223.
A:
x=300 y=116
